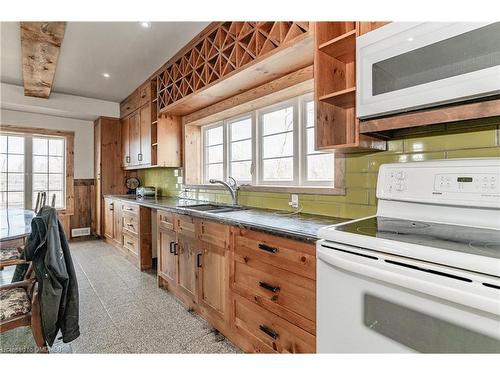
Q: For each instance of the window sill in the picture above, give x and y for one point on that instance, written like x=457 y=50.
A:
x=316 y=190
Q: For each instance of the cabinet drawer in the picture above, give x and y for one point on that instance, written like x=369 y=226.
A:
x=185 y=225
x=129 y=105
x=130 y=209
x=131 y=224
x=294 y=256
x=287 y=294
x=144 y=94
x=267 y=331
x=131 y=243
x=165 y=220
x=214 y=233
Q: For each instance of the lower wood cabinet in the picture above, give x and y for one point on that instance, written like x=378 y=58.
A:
x=128 y=228
x=257 y=289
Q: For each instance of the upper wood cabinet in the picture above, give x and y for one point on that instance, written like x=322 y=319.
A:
x=149 y=141
x=337 y=127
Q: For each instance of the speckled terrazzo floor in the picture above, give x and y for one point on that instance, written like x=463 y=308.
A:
x=123 y=311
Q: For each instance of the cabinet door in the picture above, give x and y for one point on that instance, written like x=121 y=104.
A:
x=186 y=271
x=135 y=138
x=212 y=278
x=109 y=218
x=167 y=260
x=145 y=129
x=118 y=225
x=169 y=135
x=126 y=141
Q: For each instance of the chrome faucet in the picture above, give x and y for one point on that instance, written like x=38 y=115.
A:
x=232 y=186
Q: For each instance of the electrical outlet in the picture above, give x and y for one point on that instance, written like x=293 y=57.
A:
x=294 y=201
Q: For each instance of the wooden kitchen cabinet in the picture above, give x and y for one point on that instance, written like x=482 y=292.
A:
x=144 y=157
x=167 y=251
x=187 y=250
x=134 y=138
x=125 y=130
x=109 y=176
x=109 y=218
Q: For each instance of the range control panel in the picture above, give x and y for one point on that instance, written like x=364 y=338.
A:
x=473 y=182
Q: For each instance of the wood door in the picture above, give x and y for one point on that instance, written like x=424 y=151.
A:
x=186 y=270
x=118 y=224
x=212 y=278
x=135 y=138
x=109 y=218
x=167 y=260
x=97 y=216
x=126 y=141
x=145 y=129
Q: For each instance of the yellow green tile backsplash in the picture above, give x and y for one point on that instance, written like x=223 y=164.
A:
x=455 y=141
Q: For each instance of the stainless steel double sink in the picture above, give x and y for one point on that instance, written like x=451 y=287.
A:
x=213 y=208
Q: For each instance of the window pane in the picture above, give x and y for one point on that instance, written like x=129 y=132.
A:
x=214 y=136
x=320 y=167
x=16 y=182
x=40 y=164
x=3 y=162
x=3 y=143
x=215 y=154
x=241 y=129
x=241 y=170
x=59 y=198
x=16 y=200
x=3 y=201
x=278 y=145
x=278 y=121
x=40 y=146
x=16 y=163
x=55 y=182
x=278 y=169
x=310 y=114
x=215 y=171
x=40 y=181
x=16 y=145
x=241 y=150
x=3 y=181
x=56 y=147
x=55 y=164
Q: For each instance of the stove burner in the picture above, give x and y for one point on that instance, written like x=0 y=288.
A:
x=393 y=227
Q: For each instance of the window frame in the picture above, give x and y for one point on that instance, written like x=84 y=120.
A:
x=299 y=184
x=69 y=137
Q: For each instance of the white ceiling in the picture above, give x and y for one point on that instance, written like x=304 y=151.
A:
x=125 y=50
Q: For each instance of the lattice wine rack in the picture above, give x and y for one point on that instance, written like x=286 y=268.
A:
x=229 y=47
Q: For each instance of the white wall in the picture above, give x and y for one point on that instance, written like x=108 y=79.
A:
x=84 y=135
x=61 y=112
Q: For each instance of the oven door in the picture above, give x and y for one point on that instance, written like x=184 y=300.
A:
x=408 y=65
x=370 y=302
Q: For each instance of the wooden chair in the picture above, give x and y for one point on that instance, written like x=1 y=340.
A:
x=20 y=307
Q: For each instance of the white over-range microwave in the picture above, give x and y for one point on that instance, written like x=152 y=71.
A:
x=412 y=65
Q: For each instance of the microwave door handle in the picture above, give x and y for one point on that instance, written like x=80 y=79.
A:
x=461 y=292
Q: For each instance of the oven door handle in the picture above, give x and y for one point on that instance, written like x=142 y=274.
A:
x=472 y=294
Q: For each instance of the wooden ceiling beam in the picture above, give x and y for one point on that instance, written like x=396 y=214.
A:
x=40 y=43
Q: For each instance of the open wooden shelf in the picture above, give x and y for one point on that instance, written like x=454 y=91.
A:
x=342 y=48
x=343 y=98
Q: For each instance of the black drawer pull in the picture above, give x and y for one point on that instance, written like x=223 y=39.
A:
x=130 y=243
x=176 y=246
x=198 y=260
x=172 y=247
x=268 y=248
x=268 y=331
x=274 y=289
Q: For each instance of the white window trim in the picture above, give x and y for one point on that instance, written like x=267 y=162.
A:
x=227 y=124
x=299 y=183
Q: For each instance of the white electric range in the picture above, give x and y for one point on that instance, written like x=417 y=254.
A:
x=423 y=275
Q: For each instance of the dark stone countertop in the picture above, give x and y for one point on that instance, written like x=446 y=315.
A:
x=302 y=227
x=15 y=223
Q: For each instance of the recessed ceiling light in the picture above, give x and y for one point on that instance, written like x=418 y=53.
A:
x=410 y=39
x=146 y=25
x=105 y=75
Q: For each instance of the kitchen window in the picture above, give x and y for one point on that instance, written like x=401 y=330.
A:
x=30 y=164
x=272 y=146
